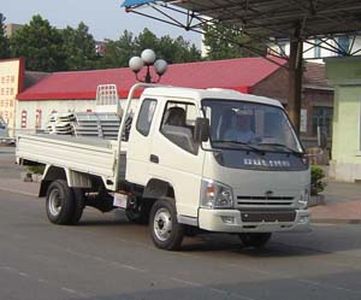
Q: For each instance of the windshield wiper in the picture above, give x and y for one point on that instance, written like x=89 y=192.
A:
x=285 y=147
x=239 y=143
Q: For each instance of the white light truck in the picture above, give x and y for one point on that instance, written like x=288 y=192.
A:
x=195 y=160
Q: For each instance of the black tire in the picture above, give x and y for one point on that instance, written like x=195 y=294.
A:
x=166 y=232
x=256 y=240
x=79 y=204
x=64 y=206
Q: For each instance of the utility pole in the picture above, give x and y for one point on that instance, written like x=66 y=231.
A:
x=295 y=78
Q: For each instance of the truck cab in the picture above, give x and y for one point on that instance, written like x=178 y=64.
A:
x=247 y=173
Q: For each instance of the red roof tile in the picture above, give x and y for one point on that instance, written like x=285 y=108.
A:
x=239 y=74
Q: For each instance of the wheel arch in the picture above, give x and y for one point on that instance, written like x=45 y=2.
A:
x=50 y=174
x=157 y=188
x=73 y=178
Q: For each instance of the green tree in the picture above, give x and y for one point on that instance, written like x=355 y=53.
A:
x=118 y=53
x=177 y=50
x=172 y=50
x=145 y=40
x=224 y=42
x=4 y=42
x=79 y=48
x=41 y=45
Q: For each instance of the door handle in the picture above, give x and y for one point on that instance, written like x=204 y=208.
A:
x=154 y=159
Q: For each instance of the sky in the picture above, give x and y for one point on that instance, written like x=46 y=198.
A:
x=105 y=18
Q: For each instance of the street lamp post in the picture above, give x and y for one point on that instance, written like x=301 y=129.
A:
x=148 y=59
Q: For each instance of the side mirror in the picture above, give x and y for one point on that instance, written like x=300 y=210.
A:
x=201 y=130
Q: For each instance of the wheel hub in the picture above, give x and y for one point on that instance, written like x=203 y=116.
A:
x=55 y=202
x=162 y=224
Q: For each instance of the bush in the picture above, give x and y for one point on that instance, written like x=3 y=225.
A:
x=317 y=184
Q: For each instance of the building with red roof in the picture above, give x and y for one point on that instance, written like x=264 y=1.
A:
x=239 y=74
x=76 y=91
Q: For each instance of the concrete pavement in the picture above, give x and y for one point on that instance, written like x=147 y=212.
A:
x=342 y=204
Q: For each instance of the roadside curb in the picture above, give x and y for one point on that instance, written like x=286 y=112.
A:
x=317 y=200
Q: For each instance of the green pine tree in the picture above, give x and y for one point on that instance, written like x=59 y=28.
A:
x=4 y=42
x=41 y=45
x=119 y=52
x=79 y=48
x=225 y=42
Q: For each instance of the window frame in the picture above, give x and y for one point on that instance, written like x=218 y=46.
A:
x=323 y=117
x=139 y=114
x=165 y=108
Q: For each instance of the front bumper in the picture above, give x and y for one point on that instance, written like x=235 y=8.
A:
x=229 y=220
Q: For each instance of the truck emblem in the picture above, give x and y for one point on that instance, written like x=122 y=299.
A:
x=266 y=163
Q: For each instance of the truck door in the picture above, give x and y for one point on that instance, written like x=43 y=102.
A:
x=175 y=157
x=140 y=143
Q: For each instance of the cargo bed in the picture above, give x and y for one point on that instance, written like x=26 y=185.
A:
x=87 y=155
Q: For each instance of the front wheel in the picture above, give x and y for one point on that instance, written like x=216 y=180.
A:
x=166 y=232
x=256 y=240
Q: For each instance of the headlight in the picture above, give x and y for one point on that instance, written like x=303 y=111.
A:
x=304 y=198
x=216 y=195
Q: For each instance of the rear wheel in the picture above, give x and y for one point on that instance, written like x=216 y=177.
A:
x=256 y=240
x=166 y=232
x=79 y=204
x=64 y=206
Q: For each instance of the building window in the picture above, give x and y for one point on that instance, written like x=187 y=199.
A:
x=322 y=117
x=343 y=44
x=317 y=49
x=24 y=119
x=38 y=119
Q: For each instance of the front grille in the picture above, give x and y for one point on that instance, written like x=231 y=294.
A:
x=268 y=216
x=264 y=201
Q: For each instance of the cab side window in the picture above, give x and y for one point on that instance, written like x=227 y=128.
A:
x=178 y=125
x=145 y=117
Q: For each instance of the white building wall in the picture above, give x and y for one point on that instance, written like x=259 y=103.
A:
x=33 y=115
x=28 y=119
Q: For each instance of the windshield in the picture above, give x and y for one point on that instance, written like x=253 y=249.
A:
x=251 y=126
